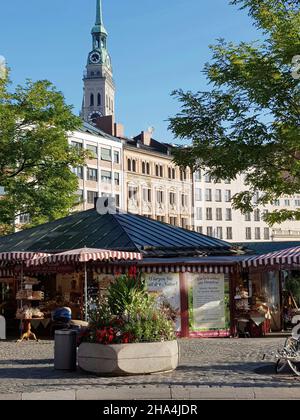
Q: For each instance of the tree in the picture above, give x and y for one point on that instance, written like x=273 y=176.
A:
x=35 y=158
x=249 y=122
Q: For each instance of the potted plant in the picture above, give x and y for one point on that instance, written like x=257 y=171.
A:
x=129 y=334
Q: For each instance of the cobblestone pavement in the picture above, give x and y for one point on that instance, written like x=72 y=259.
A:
x=28 y=367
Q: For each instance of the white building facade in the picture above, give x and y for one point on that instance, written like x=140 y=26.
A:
x=215 y=216
x=102 y=175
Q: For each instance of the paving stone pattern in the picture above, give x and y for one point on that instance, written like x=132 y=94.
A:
x=28 y=367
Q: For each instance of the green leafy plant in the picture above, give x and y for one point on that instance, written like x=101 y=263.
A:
x=129 y=314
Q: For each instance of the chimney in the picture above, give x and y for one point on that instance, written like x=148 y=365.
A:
x=106 y=124
x=119 y=130
x=146 y=137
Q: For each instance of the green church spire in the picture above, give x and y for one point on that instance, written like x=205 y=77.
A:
x=99 y=16
x=99 y=26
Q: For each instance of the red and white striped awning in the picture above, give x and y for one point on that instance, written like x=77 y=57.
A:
x=20 y=256
x=290 y=256
x=85 y=255
x=203 y=269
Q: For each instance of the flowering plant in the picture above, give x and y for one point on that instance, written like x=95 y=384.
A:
x=129 y=315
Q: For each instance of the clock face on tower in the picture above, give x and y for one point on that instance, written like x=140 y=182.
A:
x=95 y=57
x=93 y=116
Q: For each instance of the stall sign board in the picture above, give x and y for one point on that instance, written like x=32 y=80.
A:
x=207 y=302
x=166 y=287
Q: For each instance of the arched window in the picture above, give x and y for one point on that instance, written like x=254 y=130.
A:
x=148 y=168
x=129 y=165
x=133 y=166
x=99 y=99
x=156 y=170
x=143 y=167
x=92 y=100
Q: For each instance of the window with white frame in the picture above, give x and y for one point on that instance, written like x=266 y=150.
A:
x=184 y=200
x=132 y=193
x=92 y=174
x=257 y=215
x=219 y=214
x=218 y=196
x=209 y=231
x=93 y=149
x=248 y=233
x=248 y=217
x=24 y=219
x=199 y=214
x=106 y=177
x=80 y=195
x=173 y=221
x=91 y=196
x=208 y=178
x=229 y=235
x=76 y=145
x=198 y=176
x=228 y=196
x=116 y=157
x=106 y=154
x=78 y=172
x=147 y=195
x=219 y=232
x=117 y=178
x=172 y=198
x=198 y=193
x=228 y=215
x=266 y=234
x=257 y=233
x=160 y=196
x=209 y=213
x=208 y=194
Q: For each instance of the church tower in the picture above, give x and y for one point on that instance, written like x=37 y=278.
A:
x=99 y=87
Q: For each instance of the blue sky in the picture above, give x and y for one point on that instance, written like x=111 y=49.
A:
x=156 y=46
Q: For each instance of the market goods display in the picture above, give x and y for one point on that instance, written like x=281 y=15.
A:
x=29 y=295
x=27 y=312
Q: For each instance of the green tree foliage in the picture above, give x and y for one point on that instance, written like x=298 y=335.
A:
x=35 y=157
x=249 y=122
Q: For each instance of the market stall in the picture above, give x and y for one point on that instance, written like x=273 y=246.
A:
x=199 y=289
x=273 y=284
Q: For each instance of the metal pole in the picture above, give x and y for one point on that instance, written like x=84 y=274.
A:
x=85 y=292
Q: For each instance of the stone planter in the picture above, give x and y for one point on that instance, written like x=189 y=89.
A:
x=128 y=359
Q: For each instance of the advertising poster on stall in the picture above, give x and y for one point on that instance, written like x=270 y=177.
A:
x=166 y=287
x=208 y=302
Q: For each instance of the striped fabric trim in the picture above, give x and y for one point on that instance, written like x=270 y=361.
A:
x=288 y=256
x=188 y=269
x=20 y=256
x=82 y=257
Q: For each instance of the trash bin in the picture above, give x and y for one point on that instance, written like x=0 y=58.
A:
x=65 y=350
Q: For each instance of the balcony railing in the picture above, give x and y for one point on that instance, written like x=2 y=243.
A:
x=278 y=233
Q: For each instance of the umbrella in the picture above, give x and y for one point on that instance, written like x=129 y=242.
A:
x=84 y=255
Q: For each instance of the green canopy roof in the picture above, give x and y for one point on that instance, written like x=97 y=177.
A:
x=120 y=231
